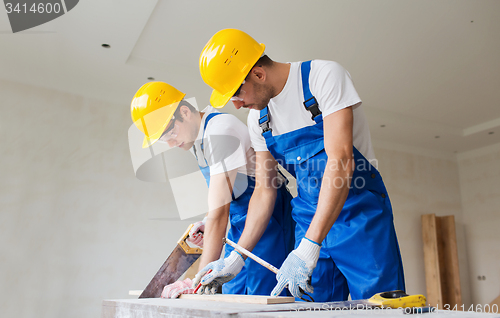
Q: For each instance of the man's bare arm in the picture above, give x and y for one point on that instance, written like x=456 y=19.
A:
x=263 y=199
x=219 y=199
x=338 y=172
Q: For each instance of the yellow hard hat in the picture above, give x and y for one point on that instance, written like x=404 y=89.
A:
x=226 y=60
x=152 y=108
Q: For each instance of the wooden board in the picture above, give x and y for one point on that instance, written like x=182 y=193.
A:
x=448 y=256
x=442 y=276
x=431 y=260
x=248 y=299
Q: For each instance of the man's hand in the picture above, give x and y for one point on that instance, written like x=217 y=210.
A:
x=223 y=271
x=174 y=290
x=196 y=233
x=297 y=269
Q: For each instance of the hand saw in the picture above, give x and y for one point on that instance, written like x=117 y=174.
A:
x=181 y=258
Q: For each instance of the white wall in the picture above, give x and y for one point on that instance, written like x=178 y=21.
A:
x=480 y=189
x=76 y=226
x=420 y=182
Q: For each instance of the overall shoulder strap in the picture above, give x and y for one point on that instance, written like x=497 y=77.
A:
x=264 y=120
x=310 y=102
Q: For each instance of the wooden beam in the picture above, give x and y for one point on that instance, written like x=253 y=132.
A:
x=431 y=260
x=448 y=256
x=442 y=275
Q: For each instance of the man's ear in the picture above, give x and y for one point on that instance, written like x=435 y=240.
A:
x=184 y=112
x=258 y=73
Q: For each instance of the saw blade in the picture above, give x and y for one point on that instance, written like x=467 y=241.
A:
x=181 y=258
x=176 y=264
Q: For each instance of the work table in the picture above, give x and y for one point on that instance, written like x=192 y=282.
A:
x=157 y=307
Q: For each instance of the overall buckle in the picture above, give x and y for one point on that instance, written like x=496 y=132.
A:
x=313 y=107
x=264 y=123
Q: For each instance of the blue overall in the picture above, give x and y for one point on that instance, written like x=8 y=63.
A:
x=275 y=244
x=360 y=254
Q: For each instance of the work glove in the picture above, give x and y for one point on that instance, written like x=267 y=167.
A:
x=174 y=290
x=223 y=270
x=196 y=233
x=297 y=269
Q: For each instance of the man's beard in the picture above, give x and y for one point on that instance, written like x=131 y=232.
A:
x=263 y=94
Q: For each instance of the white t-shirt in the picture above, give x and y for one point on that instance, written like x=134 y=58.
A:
x=227 y=144
x=334 y=90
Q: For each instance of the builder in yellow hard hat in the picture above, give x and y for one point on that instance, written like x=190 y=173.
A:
x=308 y=117
x=222 y=147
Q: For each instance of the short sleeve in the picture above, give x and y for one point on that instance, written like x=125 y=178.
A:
x=225 y=145
x=332 y=86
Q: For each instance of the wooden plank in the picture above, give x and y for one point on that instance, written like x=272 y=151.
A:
x=248 y=299
x=431 y=260
x=448 y=259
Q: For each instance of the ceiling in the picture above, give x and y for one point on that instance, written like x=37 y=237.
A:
x=427 y=71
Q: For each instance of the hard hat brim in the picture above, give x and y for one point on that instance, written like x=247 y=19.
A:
x=218 y=100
